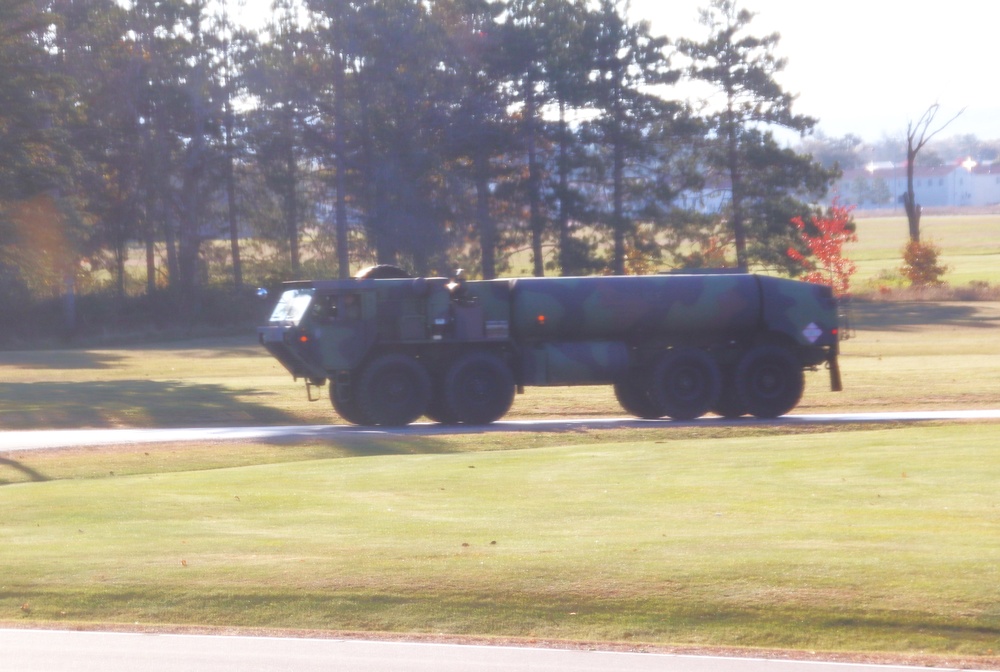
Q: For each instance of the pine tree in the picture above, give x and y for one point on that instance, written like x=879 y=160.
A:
x=767 y=182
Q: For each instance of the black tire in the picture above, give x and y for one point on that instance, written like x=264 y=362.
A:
x=685 y=383
x=347 y=405
x=393 y=390
x=632 y=393
x=478 y=389
x=770 y=381
x=437 y=407
x=730 y=403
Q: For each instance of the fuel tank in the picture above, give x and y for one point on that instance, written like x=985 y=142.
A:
x=633 y=307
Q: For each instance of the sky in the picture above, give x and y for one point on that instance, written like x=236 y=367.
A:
x=868 y=67
x=864 y=67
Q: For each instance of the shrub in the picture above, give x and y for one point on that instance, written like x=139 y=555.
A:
x=920 y=264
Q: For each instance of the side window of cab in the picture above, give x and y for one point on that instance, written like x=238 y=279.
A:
x=336 y=308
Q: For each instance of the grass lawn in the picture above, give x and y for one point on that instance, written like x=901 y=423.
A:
x=969 y=244
x=881 y=539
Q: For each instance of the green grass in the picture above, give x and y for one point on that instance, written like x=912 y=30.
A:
x=871 y=539
x=969 y=244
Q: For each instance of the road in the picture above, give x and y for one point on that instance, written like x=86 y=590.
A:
x=63 y=651
x=67 y=438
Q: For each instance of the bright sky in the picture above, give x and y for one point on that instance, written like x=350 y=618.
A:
x=868 y=67
x=865 y=67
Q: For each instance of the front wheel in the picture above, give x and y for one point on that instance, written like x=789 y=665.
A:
x=346 y=405
x=769 y=380
x=393 y=390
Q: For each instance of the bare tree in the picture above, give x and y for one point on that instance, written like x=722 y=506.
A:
x=917 y=135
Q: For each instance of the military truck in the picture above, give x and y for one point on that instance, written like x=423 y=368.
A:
x=396 y=348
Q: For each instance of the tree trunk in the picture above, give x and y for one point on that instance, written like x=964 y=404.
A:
x=564 y=253
x=618 y=216
x=485 y=223
x=291 y=211
x=340 y=149
x=909 y=198
x=150 y=264
x=736 y=197
x=534 y=199
x=234 y=232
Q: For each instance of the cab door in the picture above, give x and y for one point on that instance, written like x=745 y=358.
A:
x=344 y=328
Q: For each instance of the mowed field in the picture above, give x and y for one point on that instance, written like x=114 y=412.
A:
x=826 y=539
x=969 y=244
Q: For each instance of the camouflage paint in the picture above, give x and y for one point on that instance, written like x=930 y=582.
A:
x=630 y=307
x=575 y=363
x=804 y=311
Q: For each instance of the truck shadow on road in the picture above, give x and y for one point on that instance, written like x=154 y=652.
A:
x=905 y=315
x=72 y=360
x=132 y=403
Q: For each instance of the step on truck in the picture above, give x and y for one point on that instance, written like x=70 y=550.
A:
x=393 y=349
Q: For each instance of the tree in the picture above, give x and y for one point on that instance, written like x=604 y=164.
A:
x=824 y=237
x=336 y=25
x=743 y=68
x=847 y=153
x=525 y=41
x=627 y=62
x=104 y=128
x=230 y=73
x=39 y=229
x=279 y=77
x=401 y=118
x=29 y=87
x=478 y=129
x=917 y=135
x=567 y=67
x=200 y=115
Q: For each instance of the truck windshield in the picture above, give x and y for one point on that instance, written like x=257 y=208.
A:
x=292 y=306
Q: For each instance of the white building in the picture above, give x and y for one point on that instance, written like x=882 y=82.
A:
x=963 y=184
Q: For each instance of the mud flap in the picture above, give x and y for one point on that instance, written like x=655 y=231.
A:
x=310 y=384
x=836 y=385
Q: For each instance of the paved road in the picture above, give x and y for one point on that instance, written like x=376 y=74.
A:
x=60 y=651
x=66 y=438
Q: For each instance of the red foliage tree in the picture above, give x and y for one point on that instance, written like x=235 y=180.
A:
x=824 y=238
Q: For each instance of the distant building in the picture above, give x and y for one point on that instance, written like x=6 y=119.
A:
x=963 y=184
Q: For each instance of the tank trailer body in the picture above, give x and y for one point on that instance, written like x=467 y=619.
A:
x=672 y=345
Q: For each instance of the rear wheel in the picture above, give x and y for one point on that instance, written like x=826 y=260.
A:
x=393 y=390
x=729 y=404
x=769 y=380
x=632 y=393
x=685 y=383
x=437 y=407
x=478 y=388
